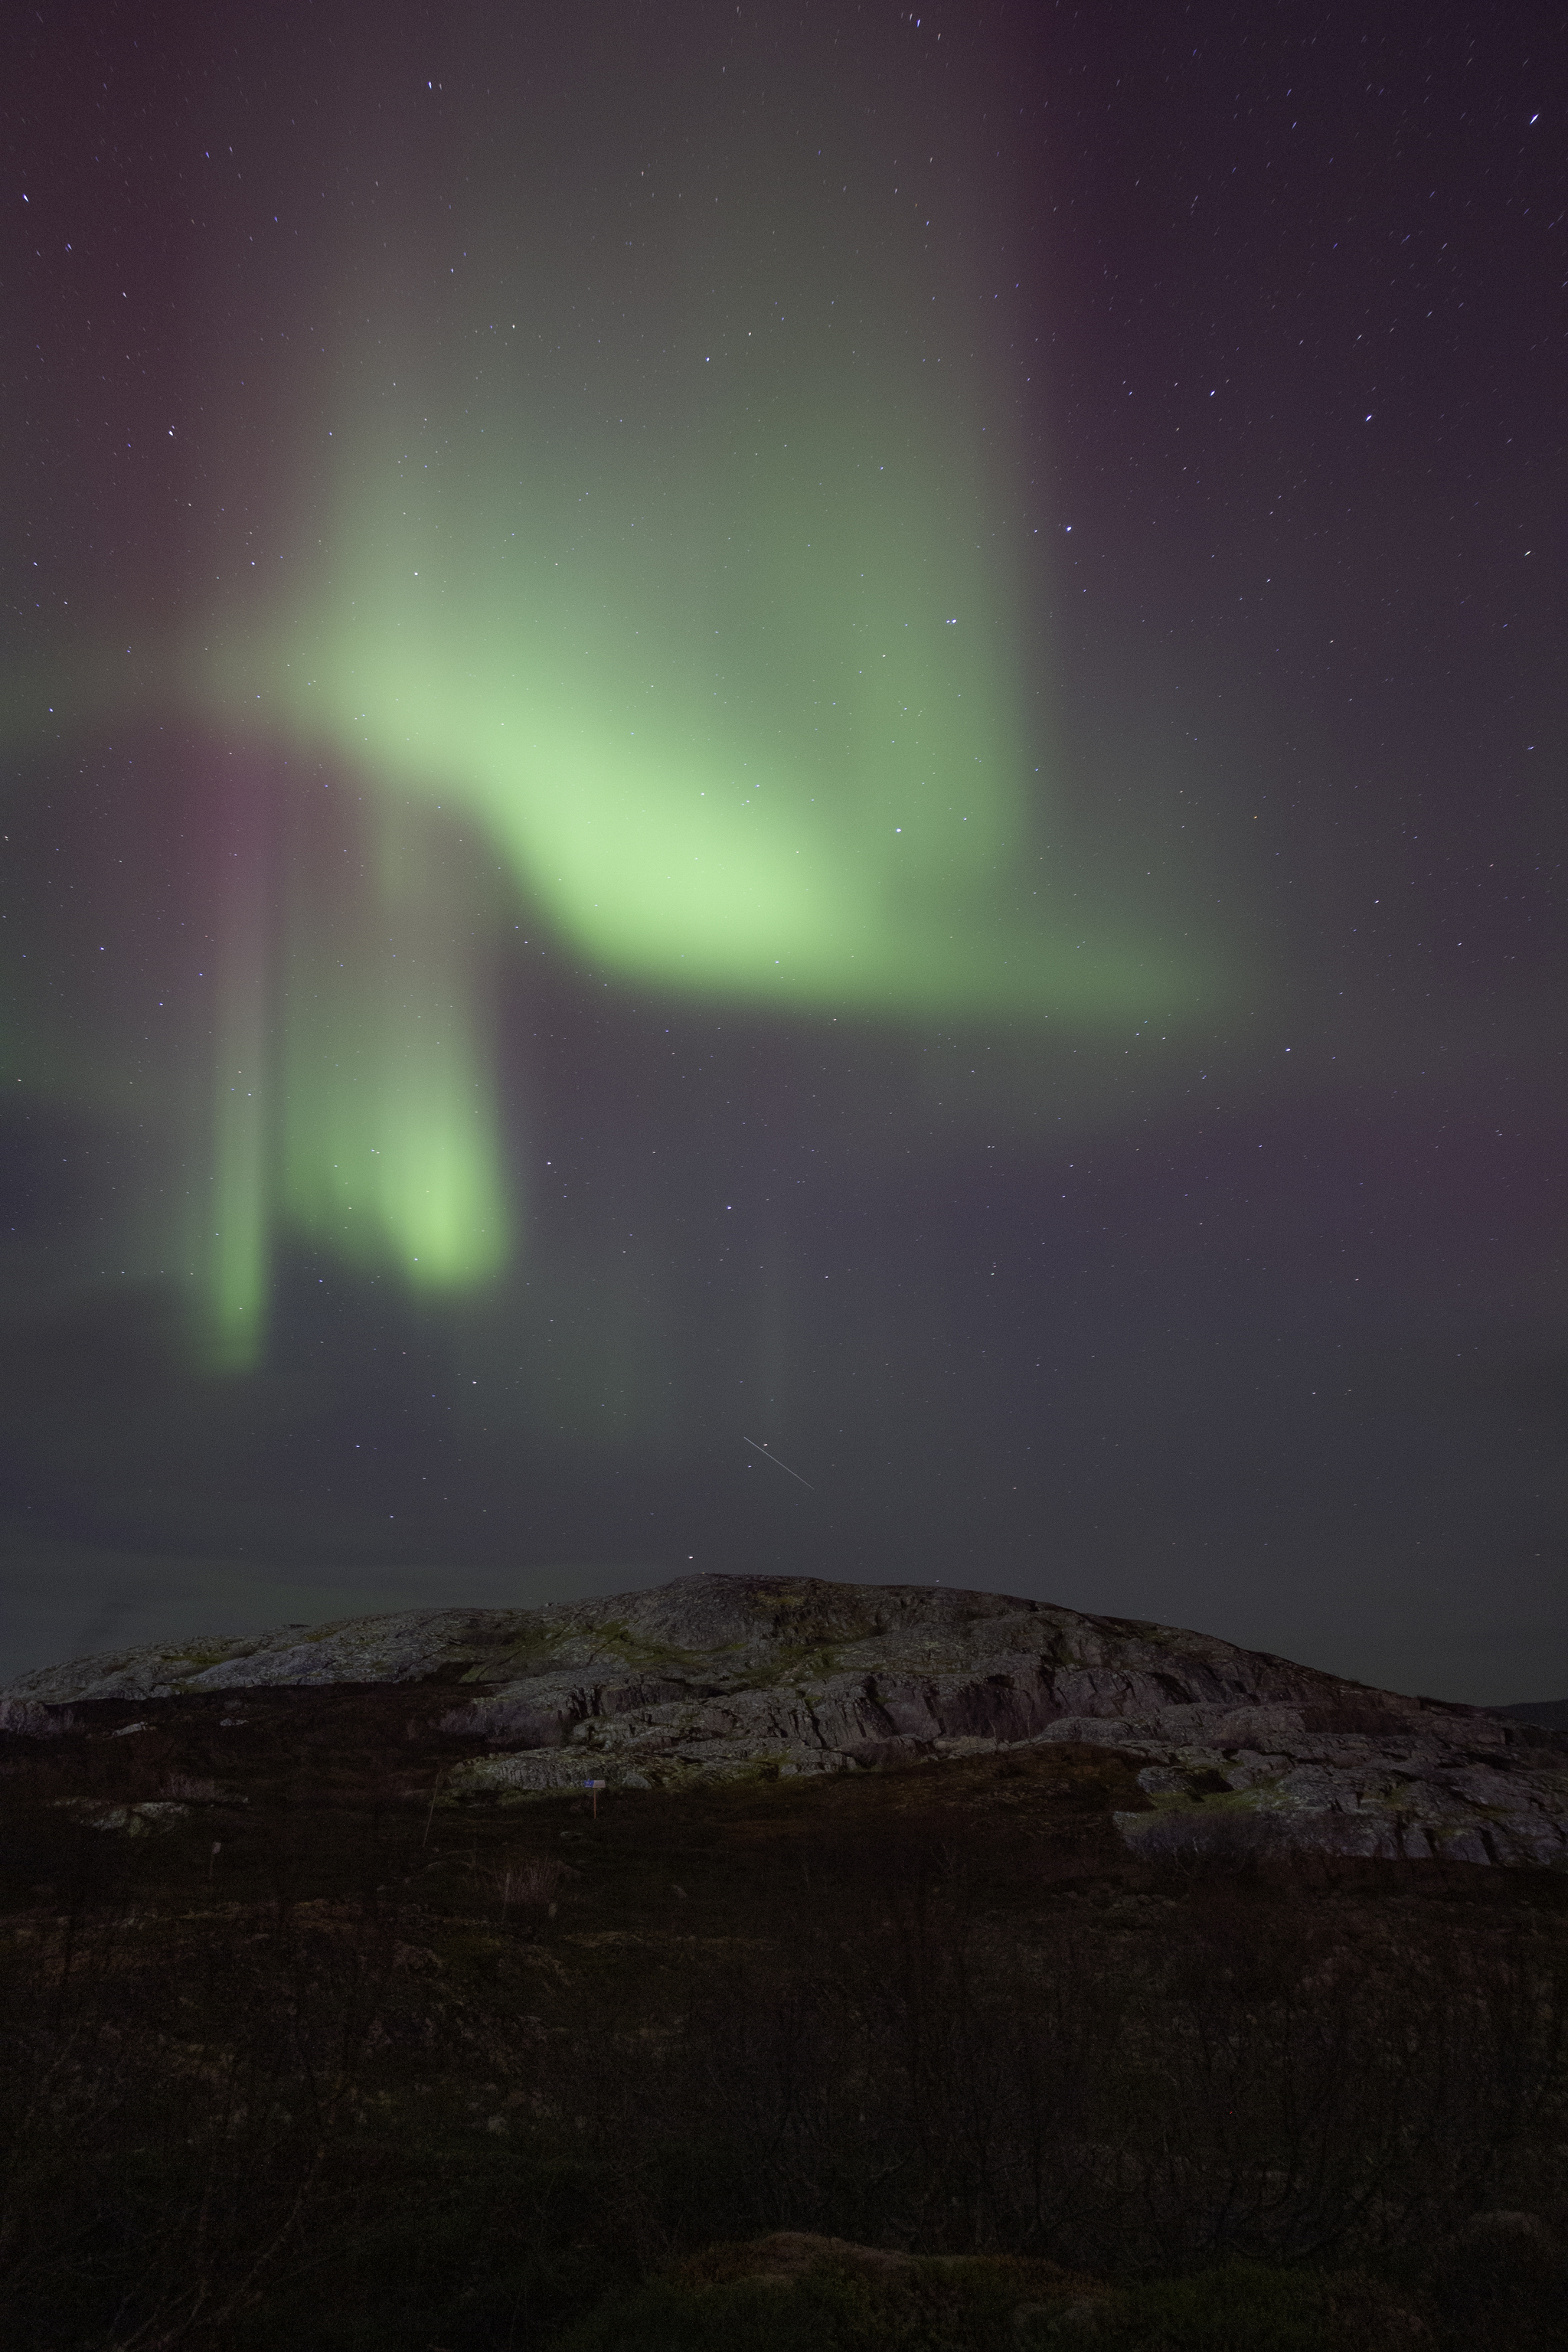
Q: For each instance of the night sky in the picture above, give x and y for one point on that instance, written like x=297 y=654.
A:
x=818 y=729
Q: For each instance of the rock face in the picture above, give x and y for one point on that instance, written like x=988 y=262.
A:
x=716 y=1677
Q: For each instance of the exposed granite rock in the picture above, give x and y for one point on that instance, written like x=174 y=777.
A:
x=716 y=1677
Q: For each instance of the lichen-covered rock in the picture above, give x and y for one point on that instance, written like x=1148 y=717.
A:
x=714 y=1677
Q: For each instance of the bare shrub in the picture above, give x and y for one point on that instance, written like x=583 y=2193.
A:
x=528 y=1881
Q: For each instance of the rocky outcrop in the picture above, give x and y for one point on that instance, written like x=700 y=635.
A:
x=725 y=1676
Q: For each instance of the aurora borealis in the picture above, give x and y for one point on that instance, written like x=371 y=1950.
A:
x=717 y=720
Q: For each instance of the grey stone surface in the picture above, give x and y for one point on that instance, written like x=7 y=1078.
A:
x=713 y=1677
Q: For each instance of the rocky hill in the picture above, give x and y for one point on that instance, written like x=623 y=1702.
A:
x=721 y=1678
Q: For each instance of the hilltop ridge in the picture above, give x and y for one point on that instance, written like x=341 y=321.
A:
x=714 y=1677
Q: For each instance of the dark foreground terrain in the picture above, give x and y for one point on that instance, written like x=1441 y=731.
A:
x=300 y=2051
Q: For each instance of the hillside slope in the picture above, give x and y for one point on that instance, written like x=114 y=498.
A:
x=720 y=1677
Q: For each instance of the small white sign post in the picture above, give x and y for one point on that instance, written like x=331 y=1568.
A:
x=596 y=1786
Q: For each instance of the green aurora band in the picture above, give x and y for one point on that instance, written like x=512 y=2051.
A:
x=764 y=747
x=729 y=674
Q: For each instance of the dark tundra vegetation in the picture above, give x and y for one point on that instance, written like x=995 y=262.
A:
x=300 y=2051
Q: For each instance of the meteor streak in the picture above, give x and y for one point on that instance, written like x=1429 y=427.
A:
x=783 y=1466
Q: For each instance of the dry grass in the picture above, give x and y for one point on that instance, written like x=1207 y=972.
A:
x=333 y=2066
